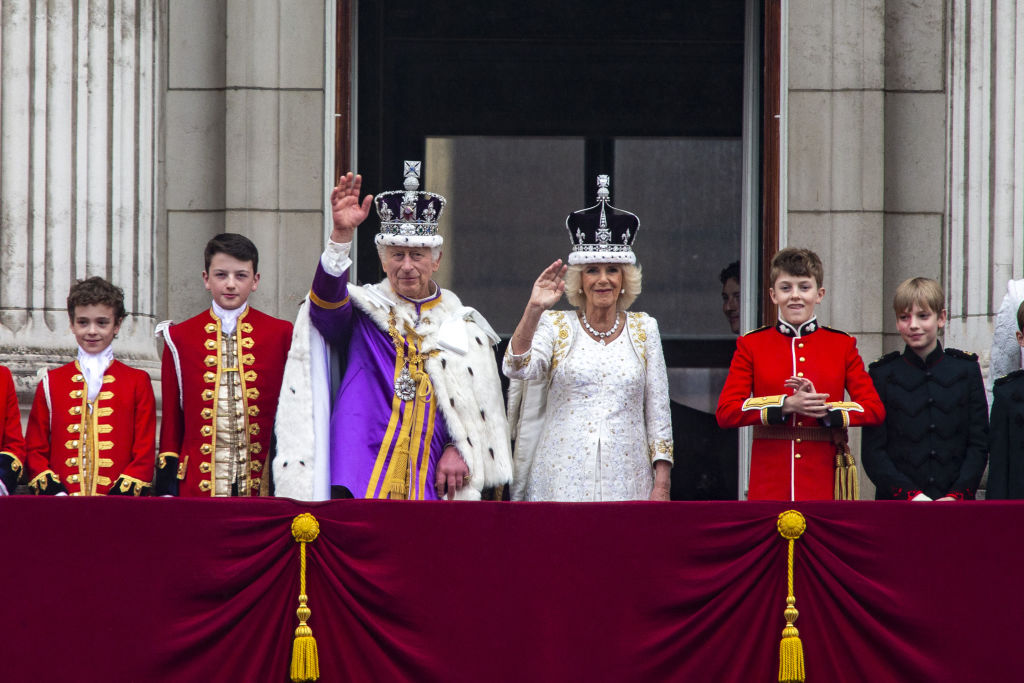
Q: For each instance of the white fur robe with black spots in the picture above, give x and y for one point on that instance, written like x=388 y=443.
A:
x=465 y=378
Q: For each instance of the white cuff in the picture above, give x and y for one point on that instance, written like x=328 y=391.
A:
x=3 y=490
x=335 y=258
x=62 y=493
x=921 y=497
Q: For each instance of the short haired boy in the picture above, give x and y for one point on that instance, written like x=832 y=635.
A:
x=1006 y=438
x=221 y=377
x=92 y=427
x=789 y=381
x=12 y=443
x=932 y=445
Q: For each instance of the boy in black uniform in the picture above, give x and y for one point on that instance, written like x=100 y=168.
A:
x=933 y=443
x=1006 y=445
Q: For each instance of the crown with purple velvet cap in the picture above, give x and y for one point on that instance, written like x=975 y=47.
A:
x=408 y=218
x=602 y=233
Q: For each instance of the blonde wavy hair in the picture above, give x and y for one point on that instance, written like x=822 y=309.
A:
x=631 y=282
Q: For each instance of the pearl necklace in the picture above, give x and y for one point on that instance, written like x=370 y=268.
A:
x=601 y=336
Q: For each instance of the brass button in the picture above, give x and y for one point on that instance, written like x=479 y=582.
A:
x=800 y=345
x=799 y=440
x=802 y=359
x=799 y=374
x=797 y=456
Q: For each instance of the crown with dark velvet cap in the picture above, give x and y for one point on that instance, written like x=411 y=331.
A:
x=602 y=233
x=408 y=218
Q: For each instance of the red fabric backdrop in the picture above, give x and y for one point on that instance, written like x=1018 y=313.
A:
x=183 y=590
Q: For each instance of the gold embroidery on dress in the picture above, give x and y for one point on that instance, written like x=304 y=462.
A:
x=560 y=345
x=638 y=334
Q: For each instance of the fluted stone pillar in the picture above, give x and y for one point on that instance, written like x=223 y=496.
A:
x=985 y=235
x=77 y=190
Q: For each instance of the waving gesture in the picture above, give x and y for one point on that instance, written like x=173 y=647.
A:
x=548 y=288
x=346 y=210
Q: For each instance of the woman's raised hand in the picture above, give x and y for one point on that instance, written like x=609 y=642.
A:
x=548 y=288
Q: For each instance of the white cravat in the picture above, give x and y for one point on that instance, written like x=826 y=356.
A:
x=93 y=366
x=228 y=319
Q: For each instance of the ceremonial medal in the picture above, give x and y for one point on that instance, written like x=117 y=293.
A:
x=405 y=386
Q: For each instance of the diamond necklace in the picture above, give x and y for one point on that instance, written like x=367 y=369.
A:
x=601 y=336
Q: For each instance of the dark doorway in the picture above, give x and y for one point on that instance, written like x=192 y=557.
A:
x=515 y=109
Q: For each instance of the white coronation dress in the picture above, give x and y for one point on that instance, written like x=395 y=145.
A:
x=604 y=420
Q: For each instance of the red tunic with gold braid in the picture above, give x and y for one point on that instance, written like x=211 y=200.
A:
x=219 y=399
x=12 y=443
x=98 y=448
x=793 y=457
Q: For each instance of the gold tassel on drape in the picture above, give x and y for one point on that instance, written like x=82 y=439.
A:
x=791 y=526
x=305 y=660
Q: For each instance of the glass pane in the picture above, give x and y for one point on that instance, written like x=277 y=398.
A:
x=687 y=193
x=505 y=218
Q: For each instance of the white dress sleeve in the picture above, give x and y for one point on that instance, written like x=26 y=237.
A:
x=535 y=362
x=657 y=413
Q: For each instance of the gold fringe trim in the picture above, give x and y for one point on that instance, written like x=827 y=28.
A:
x=791 y=525
x=305 y=658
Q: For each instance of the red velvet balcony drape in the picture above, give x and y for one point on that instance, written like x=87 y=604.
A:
x=184 y=590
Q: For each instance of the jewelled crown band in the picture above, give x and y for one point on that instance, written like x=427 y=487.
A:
x=602 y=233
x=408 y=218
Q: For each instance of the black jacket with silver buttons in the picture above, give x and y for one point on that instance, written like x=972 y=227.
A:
x=935 y=436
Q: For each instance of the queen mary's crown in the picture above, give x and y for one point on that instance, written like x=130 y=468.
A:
x=408 y=218
x=602 y=233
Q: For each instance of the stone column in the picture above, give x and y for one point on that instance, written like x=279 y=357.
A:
x=985 y=233
x=77 y=192
x=245 y=143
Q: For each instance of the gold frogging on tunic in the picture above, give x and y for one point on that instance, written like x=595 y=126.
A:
x=231 y=443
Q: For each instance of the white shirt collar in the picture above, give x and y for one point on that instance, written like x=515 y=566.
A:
x=228 y=319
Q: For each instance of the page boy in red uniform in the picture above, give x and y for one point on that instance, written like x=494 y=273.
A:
x=790 y=381
x=221 y=377
x=12 y=443
x=92 y=426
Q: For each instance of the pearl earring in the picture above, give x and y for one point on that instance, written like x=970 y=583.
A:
x=579 y=291
x=622 y=291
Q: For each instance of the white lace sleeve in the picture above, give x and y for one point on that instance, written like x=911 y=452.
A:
x=535 y=362
x=657 y=413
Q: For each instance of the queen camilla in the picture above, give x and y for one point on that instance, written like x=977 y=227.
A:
x=588 y=401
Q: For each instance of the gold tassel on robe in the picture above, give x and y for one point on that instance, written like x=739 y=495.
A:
x=305 y=660
x=791 y=525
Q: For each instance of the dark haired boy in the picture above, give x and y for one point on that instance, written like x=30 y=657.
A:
x=93 y=421
x=789 y=381
x=221 y=377
x=932 y=445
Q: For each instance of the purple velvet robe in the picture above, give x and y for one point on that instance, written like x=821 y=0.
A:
x=366 y=416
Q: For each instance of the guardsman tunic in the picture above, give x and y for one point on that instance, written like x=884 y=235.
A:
x=793 y=457
x=219 y=399
x=12 y=443
x=935 y=436
x=88 y=448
